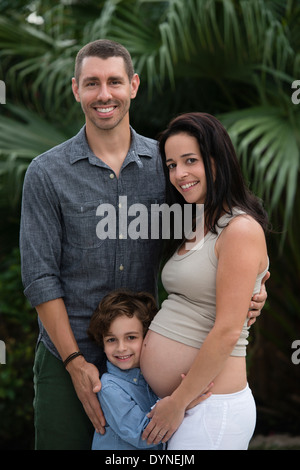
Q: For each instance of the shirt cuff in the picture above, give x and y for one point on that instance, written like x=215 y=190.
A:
x=42 y=290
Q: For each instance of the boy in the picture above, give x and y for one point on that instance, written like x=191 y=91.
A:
x=119 y=324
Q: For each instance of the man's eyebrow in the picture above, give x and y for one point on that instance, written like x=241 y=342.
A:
x=89 y=79
x=96 y=79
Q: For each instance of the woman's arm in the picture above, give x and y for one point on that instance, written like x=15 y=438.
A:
x=242 y=255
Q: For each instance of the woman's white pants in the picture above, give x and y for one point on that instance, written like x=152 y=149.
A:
x=222 y=422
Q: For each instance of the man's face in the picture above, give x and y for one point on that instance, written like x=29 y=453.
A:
x=104 y=91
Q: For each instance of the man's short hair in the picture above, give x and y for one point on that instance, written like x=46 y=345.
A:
x=103 y=48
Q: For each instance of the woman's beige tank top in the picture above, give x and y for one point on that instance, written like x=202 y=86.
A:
x=188 y=314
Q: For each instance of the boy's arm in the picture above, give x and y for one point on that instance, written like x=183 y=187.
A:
x=124 y=415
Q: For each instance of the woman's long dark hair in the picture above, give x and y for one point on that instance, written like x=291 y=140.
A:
x=226 y=187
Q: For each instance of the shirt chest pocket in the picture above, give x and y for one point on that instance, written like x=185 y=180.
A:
x=145 y=219
x=80 y=223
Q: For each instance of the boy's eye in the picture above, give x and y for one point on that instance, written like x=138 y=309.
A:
x=110 y=340
x=131 y=337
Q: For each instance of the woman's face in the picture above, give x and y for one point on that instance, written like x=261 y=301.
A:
x=186 y=167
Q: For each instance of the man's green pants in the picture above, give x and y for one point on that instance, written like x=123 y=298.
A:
x=60 y=420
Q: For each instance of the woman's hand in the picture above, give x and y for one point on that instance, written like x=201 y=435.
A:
x=166 y=417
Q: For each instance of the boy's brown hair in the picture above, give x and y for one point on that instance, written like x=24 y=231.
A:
x=121 y=302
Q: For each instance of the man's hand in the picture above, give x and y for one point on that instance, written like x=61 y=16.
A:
x=85 y=378
x=258 y=301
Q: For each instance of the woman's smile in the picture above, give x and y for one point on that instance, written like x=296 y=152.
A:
x=188 y=186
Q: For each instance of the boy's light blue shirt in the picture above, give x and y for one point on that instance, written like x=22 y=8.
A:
x=125 y=398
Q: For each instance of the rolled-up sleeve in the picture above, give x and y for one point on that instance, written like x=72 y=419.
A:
x=40 y=238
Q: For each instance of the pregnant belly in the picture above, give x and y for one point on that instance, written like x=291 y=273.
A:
x=163 y=360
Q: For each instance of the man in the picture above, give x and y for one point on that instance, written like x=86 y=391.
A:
x=66 y=266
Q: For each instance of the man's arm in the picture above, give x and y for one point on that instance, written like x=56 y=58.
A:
x=40 y=244
x=258 y=301
x=85 y=376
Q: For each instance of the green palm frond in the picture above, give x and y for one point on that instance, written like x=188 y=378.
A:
x=268 y=144
x=38 y=66
x=240 y=53
x=24 y=135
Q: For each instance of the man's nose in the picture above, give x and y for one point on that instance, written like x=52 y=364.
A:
x=104 y=93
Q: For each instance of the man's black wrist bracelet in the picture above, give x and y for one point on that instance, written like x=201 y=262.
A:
x=71 y=357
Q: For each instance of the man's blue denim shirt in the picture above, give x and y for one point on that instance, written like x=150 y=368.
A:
x=125 y=399
x=66 y=191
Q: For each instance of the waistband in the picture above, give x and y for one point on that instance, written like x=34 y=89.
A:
x=242 y=397
x=230 y=396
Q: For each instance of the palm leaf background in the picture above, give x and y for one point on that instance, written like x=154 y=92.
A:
x=236 y=59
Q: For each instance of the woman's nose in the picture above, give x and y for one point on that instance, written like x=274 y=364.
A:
x=181 y=172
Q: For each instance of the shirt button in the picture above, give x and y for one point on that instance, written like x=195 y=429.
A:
x=111 y=176
x=121 y=267
x=135 y=380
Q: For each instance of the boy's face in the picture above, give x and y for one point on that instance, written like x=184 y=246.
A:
x=123 y=342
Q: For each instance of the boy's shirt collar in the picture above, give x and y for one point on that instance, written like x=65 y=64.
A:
x=130 y=375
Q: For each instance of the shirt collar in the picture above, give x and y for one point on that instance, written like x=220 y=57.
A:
x=80 y=149
x=133 y=376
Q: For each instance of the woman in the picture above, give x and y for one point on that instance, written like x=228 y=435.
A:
x=201 y=330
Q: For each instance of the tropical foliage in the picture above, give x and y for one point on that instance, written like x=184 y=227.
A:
x=236 y=59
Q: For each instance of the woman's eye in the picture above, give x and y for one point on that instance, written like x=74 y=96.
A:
x=171 y=166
